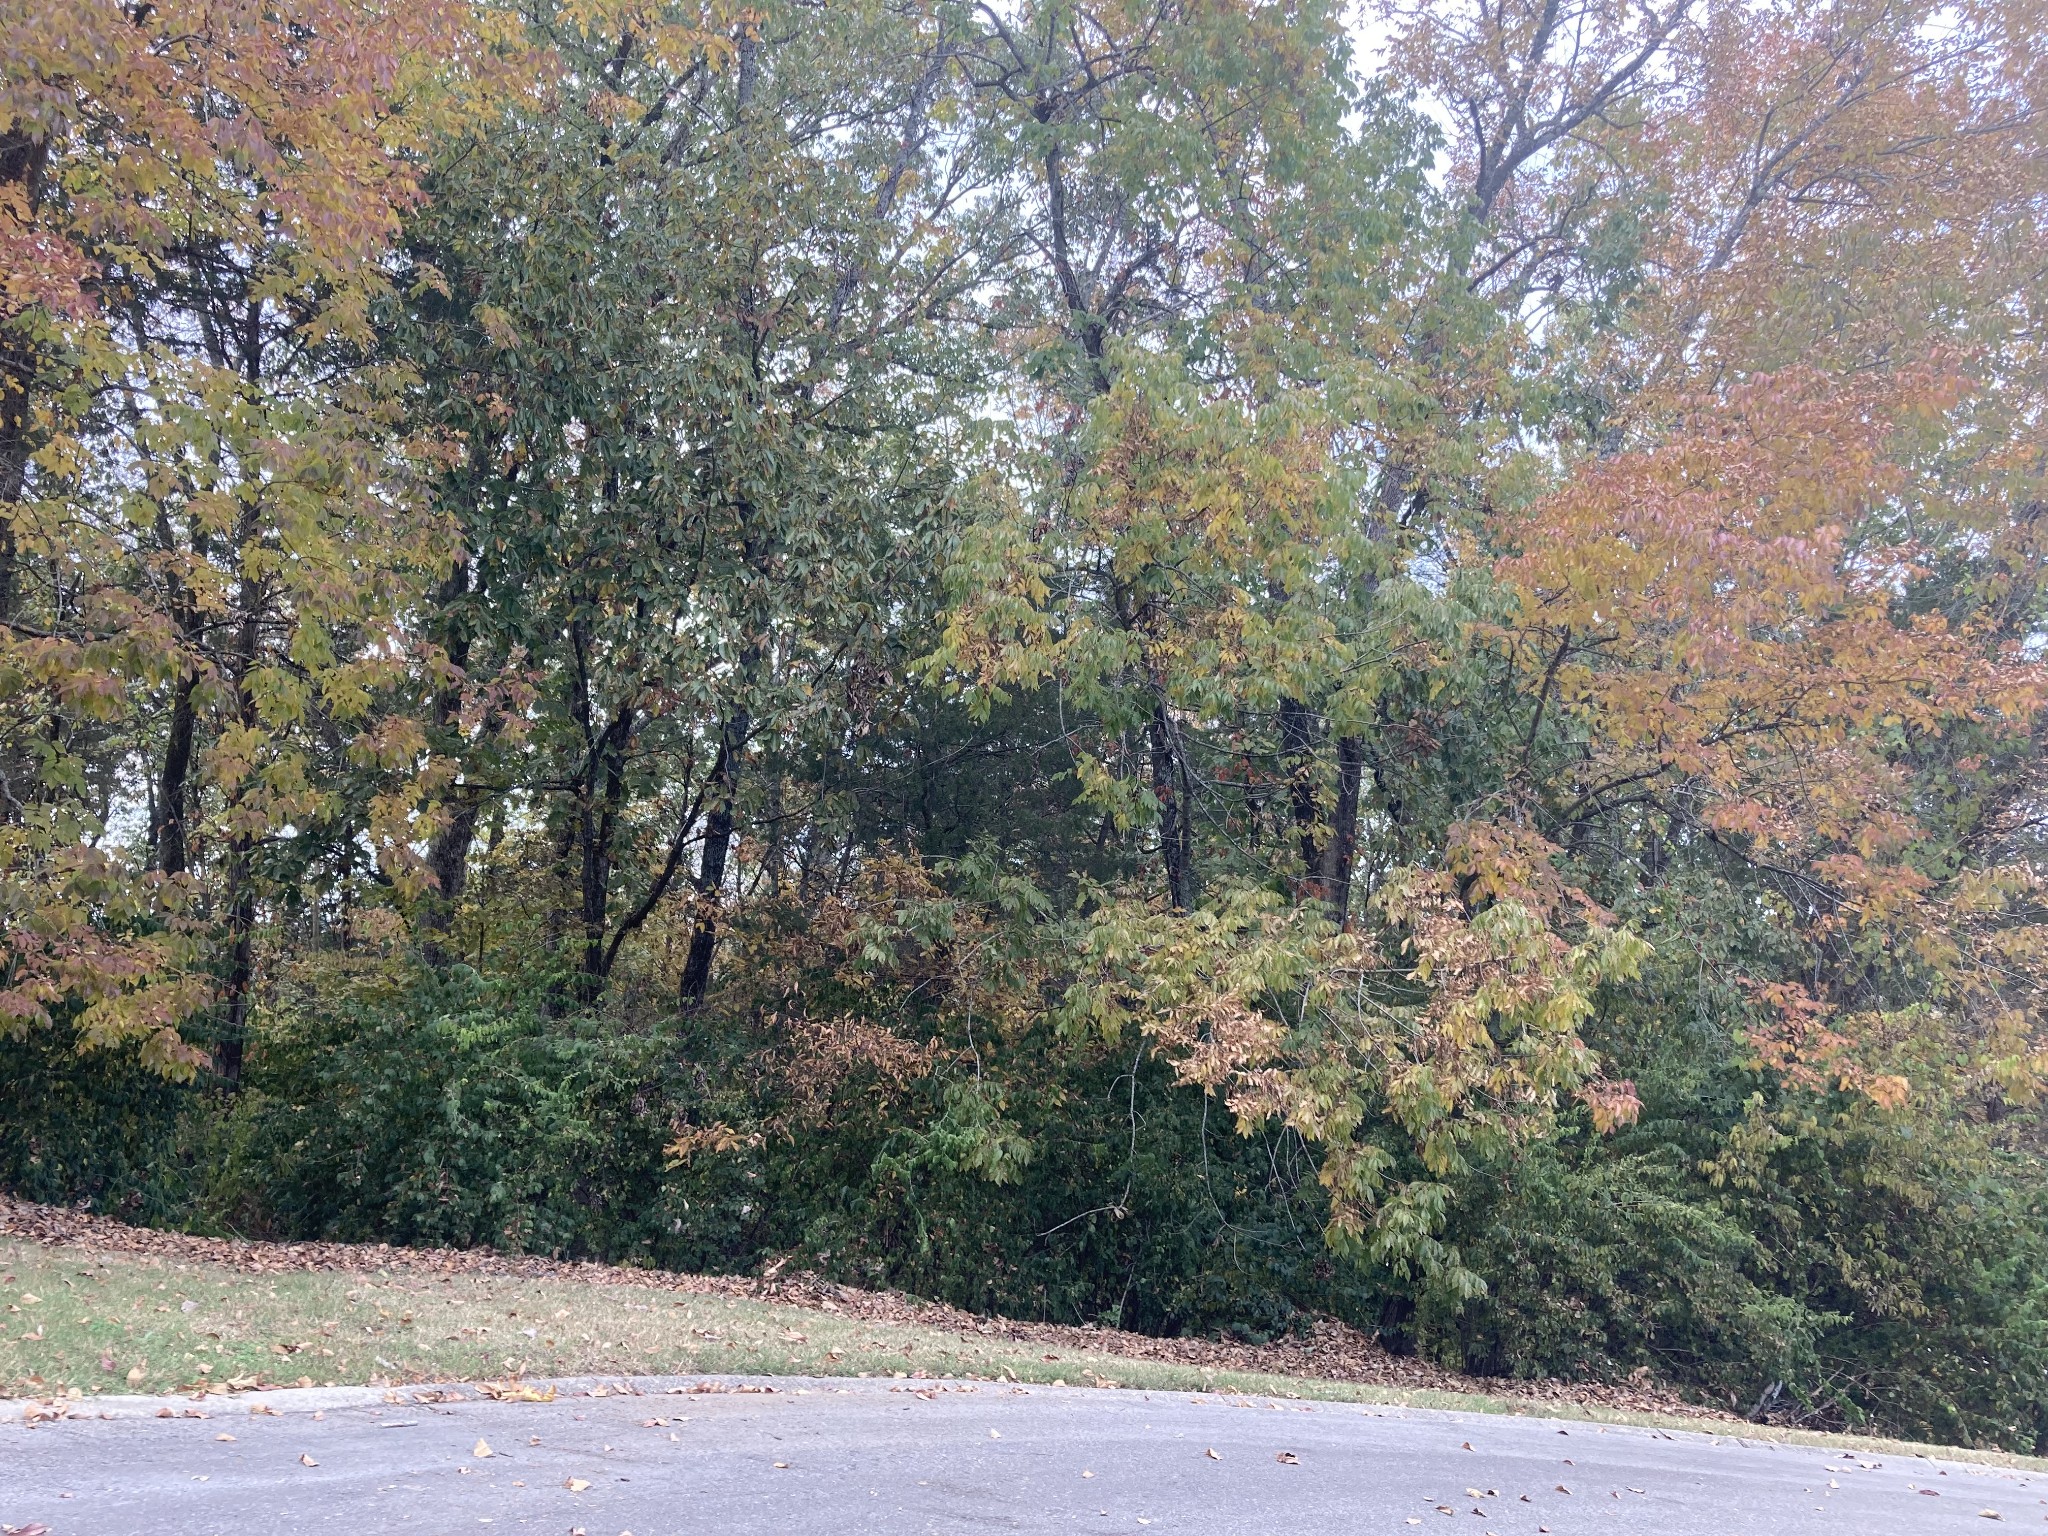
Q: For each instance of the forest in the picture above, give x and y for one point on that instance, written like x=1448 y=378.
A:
x=1184 y=664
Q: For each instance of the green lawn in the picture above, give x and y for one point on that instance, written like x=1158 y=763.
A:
x=77 y=1323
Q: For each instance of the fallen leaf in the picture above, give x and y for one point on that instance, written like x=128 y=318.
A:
x=223 y=1435
x=482 y=1450
x=1287 y=1459
x=137 y=1375
x=1211 y=1454
x=307 y=1461
x=520 y=1392
x=1989 y=1514
x=576 y=1484
x=1467 y=1445
x=782 y=1465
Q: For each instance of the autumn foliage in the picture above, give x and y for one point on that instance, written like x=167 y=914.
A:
x=1160 y=661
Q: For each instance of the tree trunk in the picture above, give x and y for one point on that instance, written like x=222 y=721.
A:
x=241 y=892
x=1329 y=848
x=1340 y=853
x=1298 y=751
x=251 y=597
x=718 y=833
x=1170 y=789
x=604 y=795
x=173 y=800
x=448 y=849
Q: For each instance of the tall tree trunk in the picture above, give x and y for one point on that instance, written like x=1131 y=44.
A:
x=241 y=875
x=718 y=833
x=605 y=794
x=251 y=598
x=1329 y=847
x=173 y=799
x=1298 y=752
x=448 y=849
x=1340 y=853
x=1170 y=788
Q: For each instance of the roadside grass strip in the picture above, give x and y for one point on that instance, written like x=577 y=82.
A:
x=77 y=1324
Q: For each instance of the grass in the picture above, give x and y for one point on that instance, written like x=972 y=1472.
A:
x=78 y=1323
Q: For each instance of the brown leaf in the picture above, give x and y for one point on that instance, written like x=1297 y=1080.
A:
x=1287 y=1458
x=576 y=1484
x=307 y=1461
x=1211 y=1454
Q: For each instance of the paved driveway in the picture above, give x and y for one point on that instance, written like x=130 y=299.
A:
x=908 y=1456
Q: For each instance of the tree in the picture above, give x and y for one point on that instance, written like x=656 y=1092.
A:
x=193 y=493
x=698 y=322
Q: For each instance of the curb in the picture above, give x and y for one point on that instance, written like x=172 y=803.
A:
x=286 y=1400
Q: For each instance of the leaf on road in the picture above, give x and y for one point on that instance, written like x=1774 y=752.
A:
x=520 y=1392
x=1211 y=1454
x=1287 y=1459
x=224 y=1435
x=307 y=1461
x=576 y=1484
x=482 y=1449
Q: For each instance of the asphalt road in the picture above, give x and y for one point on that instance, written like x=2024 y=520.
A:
x=910 y=1456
